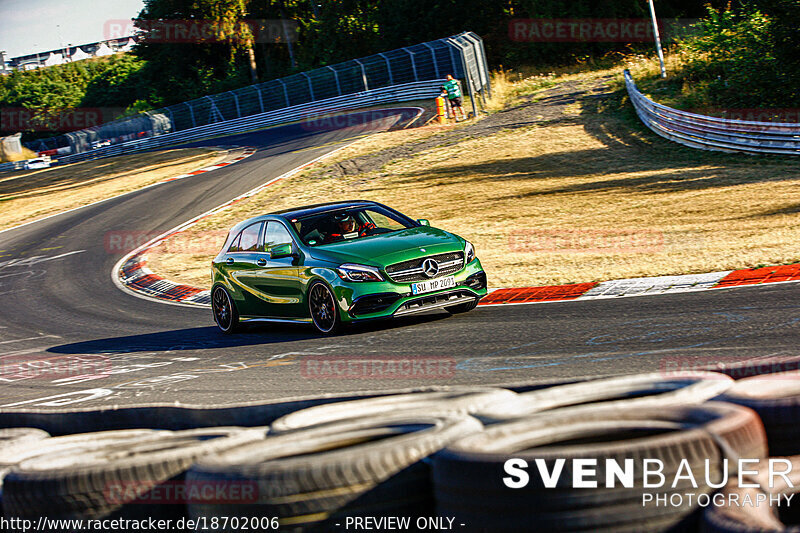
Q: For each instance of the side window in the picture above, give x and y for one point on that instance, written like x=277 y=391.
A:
x=234 y=247
x=277 y=234
x=247 y=240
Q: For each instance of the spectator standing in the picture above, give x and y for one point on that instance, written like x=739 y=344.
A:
x=452 y=90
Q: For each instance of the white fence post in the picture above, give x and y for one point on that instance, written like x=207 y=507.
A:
x=389 y=68
x=363 y=74
x=336 y=77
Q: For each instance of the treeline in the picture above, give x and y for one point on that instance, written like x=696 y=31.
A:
x=748 y=56
x=160 y=72
x=332 y=31
x=114 y=81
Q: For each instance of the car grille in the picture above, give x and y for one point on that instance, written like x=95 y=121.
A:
x=410 y=271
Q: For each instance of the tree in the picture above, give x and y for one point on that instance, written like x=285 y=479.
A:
x=187 y=64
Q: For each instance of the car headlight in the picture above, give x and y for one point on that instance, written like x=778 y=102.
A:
x=351 y=272
x=469 y=251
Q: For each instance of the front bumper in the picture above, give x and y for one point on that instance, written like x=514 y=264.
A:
x=371 y=300
x=437 y=300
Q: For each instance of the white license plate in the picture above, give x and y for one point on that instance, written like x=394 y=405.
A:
x=433 y=285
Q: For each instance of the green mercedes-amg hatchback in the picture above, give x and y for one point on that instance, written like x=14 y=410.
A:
x=337 y=263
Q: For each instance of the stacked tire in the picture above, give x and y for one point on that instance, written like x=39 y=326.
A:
x=441 y=452
x=313 y=479
x=470 y=476
x=108 y=474
x=776 y=399
x=727 y=518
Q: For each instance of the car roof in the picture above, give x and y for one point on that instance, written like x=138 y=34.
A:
x=306 y=210
x=290 y=214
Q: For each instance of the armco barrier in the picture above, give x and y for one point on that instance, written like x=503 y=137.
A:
x=711 y=133
x=461 y=55
x=398 y=93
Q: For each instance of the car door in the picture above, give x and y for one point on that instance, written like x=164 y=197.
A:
x=241 y=267
x=277 y=280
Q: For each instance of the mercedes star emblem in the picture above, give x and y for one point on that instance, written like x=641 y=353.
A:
x=430 y=267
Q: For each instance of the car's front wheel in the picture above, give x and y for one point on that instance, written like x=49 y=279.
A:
x=225 y=314
x=322 y=308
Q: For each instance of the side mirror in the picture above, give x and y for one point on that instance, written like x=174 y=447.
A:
x=423 y=222
x=282 y=250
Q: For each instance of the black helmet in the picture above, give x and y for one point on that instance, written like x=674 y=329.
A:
x=345 y=221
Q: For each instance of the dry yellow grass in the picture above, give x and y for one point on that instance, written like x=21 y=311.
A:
x=28 y=195
x=590 y=198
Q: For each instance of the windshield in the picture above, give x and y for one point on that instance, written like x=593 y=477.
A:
x=348 y=224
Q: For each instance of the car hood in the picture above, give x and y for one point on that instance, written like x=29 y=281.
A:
x=390 y=248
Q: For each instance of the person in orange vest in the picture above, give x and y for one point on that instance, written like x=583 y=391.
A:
x=452 y=90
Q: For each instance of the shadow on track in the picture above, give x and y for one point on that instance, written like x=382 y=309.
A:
x=209 y=337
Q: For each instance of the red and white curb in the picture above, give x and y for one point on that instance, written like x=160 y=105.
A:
x=244 y=154
x=131 y=274
x=234 y=154
x=644 y=286
x=136 y=276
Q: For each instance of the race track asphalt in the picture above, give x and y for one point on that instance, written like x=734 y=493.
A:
x=60 y=302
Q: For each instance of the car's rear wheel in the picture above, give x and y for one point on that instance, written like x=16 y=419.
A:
x=322 y=307
x=225 y=314
x=463 y=308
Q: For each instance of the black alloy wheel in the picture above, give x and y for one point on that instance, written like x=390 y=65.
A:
x=322 y=307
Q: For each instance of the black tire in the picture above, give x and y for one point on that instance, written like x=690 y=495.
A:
x=70 y=483
x=756 y=519
x=323 y=309
x=776 y=399
x=459 y=400
x=32 y=445
x=226 y=316
x=468 y=474
x=19 y=451
x=13 y=437
x=462 y=308
x=639 y=390
x=312 y=479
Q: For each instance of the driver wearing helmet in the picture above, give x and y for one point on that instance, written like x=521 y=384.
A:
x=346 y=227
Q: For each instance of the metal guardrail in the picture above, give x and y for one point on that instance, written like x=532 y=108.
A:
x=399 y=93
x=712 y=133
x=461 y=55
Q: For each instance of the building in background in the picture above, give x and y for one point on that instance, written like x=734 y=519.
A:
x=67 y=54
x=4 y=68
